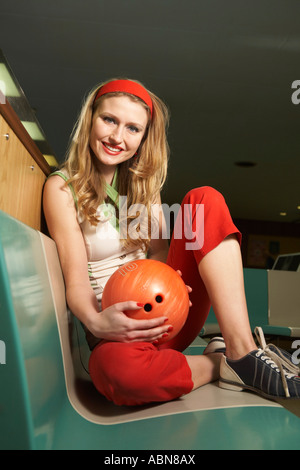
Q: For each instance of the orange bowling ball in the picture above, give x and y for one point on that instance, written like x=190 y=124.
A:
x=154 y=284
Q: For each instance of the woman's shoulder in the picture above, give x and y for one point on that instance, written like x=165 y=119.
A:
x=61 y=173
x=57 y=181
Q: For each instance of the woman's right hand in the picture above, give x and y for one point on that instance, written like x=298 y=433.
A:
x=114 y=325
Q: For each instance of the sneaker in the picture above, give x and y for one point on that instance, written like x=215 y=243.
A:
x=284 y=356
x=260 y=371
x=215 y=345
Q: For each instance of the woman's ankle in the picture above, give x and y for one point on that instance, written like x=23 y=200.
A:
x=239 y=348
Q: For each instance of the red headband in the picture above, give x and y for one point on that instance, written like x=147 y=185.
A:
x=126 y=86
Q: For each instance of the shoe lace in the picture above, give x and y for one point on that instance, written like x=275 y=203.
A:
x=276 y=359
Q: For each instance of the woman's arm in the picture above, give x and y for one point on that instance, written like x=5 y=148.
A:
x=63 y=227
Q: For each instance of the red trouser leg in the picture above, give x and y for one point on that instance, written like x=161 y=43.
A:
x=211 y=229
x=139 y=373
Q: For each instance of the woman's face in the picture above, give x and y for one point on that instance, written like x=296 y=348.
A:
x=117 y=130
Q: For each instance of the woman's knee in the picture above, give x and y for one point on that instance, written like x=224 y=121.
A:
x=204 y=195
x=118 y=372
x=109 y=360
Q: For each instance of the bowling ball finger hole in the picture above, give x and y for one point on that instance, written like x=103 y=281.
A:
x=158 y=299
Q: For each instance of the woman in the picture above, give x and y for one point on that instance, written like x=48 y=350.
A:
x=119 y=148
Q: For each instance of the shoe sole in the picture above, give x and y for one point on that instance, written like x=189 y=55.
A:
x=227 y=385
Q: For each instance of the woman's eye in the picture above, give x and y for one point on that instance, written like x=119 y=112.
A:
x=108 y=119
x=133 y=129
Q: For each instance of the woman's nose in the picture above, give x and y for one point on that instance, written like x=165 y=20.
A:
x=117 y=134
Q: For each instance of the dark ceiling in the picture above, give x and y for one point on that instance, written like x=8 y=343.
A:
x=225 y=69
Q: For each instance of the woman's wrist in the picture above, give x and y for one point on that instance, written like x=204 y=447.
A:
x=84 y=307
x=93 y=324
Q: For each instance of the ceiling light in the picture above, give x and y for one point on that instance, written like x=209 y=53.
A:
x=7 y=84
x=283 y=214
x=51 y=160
x=33 y=130
x=245 y=164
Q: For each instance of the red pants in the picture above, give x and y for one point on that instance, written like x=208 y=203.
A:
x=138 y=373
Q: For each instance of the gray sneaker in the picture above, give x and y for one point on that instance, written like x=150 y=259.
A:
x=260 y=371
x=217 y=344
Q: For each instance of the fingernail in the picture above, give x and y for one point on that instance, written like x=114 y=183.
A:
x=155 y=342
x=140 y=305
x=166 y=320
x=170 y=328
x=165 y=335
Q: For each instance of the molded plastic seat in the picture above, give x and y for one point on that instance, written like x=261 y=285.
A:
x=52 y=351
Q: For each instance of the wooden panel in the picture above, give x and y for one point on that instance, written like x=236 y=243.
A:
x=21 y=179
x=14 y=122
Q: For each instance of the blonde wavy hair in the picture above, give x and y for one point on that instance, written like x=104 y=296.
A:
x=140 y=178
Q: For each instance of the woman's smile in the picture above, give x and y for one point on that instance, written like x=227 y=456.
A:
x=112 y=150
